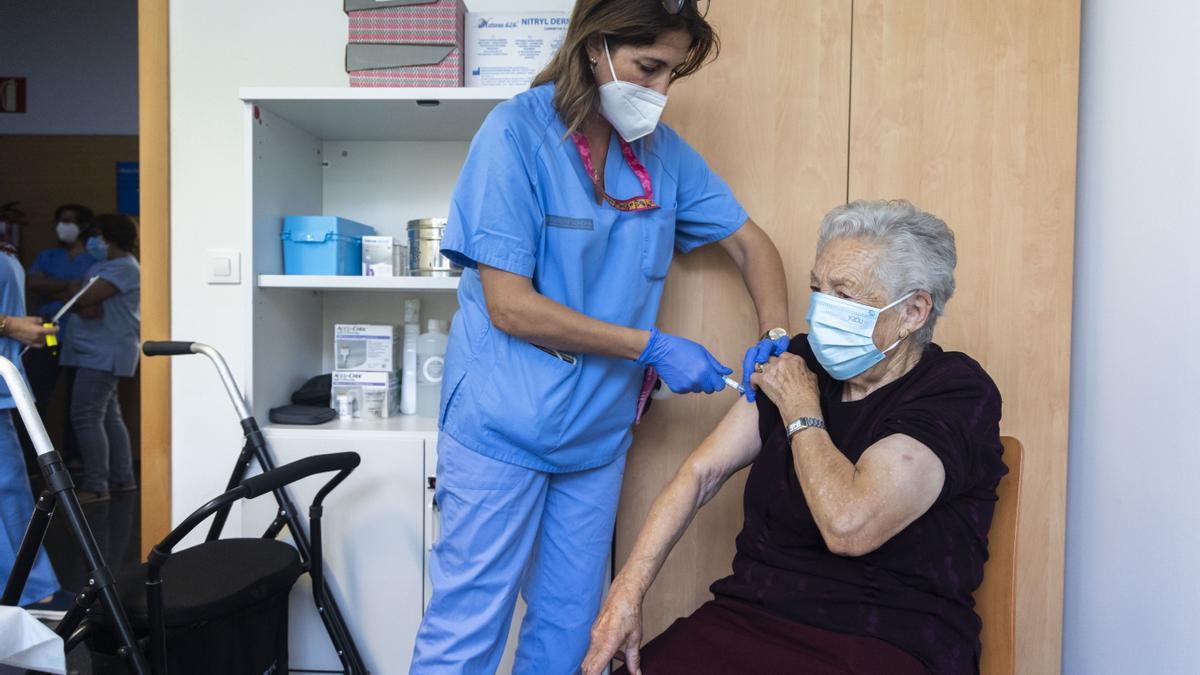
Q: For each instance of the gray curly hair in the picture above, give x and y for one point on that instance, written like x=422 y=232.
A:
x=917 y=250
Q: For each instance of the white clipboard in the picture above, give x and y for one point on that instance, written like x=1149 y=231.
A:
x=67 y=307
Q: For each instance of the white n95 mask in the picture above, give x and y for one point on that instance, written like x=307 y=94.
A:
x=841 y=333
x=632 y=109
x=67 y=232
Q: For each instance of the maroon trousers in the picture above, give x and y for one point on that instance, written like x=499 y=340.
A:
x=729 y=637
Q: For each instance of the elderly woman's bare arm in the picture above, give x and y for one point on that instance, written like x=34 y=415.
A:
x=856 y=506
x=859 y=507
x=728 y=449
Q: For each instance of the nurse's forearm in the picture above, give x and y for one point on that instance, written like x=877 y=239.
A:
x=762 y=271
x=519 y=310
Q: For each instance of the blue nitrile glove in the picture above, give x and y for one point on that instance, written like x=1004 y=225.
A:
x=761 y=353
x=685 y=367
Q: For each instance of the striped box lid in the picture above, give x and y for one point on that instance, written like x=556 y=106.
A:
x=439 y=22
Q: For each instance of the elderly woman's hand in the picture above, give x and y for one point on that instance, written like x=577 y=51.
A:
x=617 y=629
x=790 y=385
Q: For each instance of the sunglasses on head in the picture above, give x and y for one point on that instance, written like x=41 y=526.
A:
x=676 y=6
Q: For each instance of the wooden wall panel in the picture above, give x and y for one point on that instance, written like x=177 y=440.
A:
x=153 y=125
x=771 y=117
x=969 y=110
x=44 y=170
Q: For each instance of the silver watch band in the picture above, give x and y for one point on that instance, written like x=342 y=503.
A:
x=804 y=423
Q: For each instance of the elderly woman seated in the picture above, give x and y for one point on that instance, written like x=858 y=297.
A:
x=874 y=458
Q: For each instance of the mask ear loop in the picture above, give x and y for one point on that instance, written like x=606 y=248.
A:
x=611 y=67
x=905 y=335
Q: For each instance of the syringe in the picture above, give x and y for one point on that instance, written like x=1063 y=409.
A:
x=662 y=392
x=734 y=384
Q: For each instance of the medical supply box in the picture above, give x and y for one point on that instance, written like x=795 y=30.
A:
x=384 y=257
x=323 y=245
x=365 y=347
x=405 y=43
x=510 y=49
x=371 y=395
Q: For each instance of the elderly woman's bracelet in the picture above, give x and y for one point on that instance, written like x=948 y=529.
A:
x=804 y=423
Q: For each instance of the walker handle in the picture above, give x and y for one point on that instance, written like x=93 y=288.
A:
x=290 y=473
x=156 y=348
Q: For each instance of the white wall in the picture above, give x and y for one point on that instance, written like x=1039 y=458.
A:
x=217 y=47
x=80 y=58
x=1133 y=519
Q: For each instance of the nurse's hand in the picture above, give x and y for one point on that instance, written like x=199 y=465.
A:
x=618 y=628
x=685 y=366
x=760 y=353
x=28 y=330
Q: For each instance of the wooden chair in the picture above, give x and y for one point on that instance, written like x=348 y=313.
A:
x=995 y=601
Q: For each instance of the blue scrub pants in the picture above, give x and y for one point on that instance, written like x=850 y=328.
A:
x=506 y=529
x=16 y=506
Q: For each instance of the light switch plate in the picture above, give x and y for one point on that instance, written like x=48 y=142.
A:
x=224 y=266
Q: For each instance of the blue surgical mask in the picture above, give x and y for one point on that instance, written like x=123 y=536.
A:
x=97 y=247
x=841 y=333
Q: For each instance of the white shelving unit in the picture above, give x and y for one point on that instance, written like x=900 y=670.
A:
x=326 y=283
x=380 y=157
x=385 y=114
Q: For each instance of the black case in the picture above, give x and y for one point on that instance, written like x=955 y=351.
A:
x=301 y=414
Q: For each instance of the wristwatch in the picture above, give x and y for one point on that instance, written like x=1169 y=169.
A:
x=774 y=334
x=804 y=423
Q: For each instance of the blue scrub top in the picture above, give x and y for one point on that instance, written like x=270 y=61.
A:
x=524 y=204
x=58 y=264
x=12 y=303
x=110 y=342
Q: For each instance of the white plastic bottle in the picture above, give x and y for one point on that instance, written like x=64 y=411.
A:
x=408 y=376
x=431 y=360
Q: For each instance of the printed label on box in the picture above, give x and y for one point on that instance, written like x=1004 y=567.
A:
x=506 y=50
x=365 y=347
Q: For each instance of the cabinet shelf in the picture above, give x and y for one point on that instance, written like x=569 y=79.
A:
x=398 y=426
x=382 y=114
x=335 y=283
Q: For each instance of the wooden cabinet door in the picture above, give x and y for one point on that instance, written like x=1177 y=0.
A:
x=968 y=109
x=770 y=116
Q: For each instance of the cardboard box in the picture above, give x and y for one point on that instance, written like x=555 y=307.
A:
x=406 y=44
x=372 y=395
x=365 y=347
x=510 y=49
x=404 y=65
x=384 y=257
x=439 y=22
x=354 y=5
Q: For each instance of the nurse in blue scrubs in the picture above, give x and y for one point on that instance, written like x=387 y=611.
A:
x=565 y=219
x=42 y=595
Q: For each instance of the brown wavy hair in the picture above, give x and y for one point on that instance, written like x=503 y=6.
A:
x=622 y=22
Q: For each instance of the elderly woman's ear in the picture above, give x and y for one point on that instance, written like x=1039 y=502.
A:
x=915 y=313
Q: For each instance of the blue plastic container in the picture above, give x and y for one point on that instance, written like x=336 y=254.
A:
x=323 y=245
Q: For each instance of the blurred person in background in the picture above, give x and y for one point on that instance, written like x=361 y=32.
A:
x=103 y=345
x=12 y=219
x=49 y=283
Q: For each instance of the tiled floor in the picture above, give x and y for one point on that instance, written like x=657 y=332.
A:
x=116 y=525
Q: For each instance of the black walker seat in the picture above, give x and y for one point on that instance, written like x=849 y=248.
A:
x=218 y=607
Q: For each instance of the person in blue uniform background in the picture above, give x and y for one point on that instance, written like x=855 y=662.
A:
x=104 y=346
x=42 y=595
x=48 y=282
x=566 y=216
